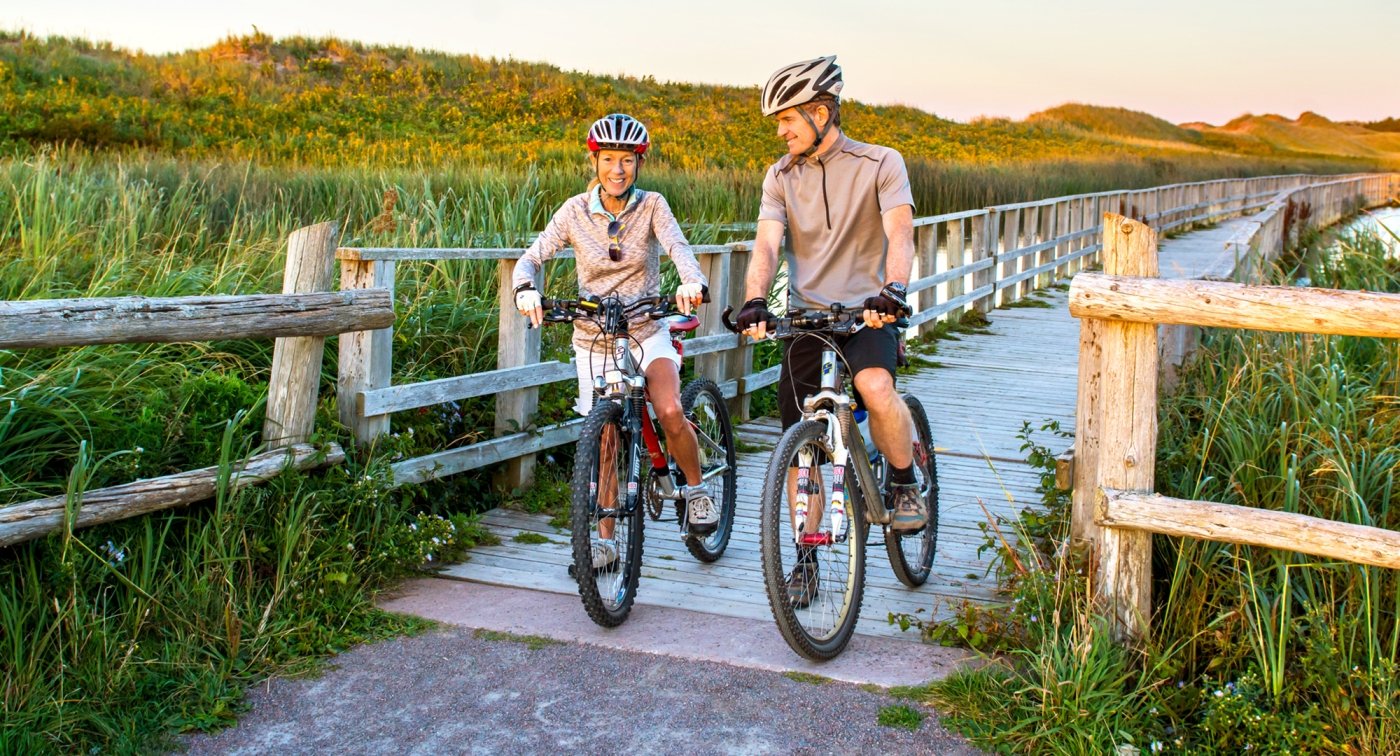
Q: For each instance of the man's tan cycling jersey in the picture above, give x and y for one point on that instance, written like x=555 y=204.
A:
x=832 y=205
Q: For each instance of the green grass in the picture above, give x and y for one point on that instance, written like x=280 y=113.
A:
x=532 y=642
x=900 y=716
x=744 y=447
x=1031 y=301
x=531 y=538
x=807 y=677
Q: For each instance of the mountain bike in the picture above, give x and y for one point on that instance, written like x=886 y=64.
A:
x=823 y=487
x=621 y=467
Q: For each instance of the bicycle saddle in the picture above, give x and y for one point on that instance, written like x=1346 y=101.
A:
x=682 y=323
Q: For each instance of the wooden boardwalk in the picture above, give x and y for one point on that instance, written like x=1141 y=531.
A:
x=985 y=386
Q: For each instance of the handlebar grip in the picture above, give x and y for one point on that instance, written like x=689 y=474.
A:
x=724 y=318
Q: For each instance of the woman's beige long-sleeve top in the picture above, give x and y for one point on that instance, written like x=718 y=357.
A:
x=648 y=226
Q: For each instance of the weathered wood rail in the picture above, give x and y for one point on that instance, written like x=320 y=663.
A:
x=299 y=319
x=966 y=261
x=1121 y=309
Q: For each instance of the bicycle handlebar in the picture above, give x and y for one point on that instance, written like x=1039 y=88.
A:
x=593 y=308
x=837 y=319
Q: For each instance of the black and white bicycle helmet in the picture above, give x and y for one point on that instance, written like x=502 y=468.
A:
x=801 y=83
x=618 y=131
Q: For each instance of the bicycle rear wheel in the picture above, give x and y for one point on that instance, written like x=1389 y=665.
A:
x=599 y=495
x=911 y=554
x=814 y=590
x=714 y=434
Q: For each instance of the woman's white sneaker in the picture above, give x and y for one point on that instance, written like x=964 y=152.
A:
x=701 y=512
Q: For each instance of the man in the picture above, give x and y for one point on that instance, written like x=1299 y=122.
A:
x=849 y=216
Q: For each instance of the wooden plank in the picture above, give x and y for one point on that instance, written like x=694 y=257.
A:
x=720 y=342
x=1221 y=304
x=755 y=381
x=154 y=320
x=452 y=461
x=953 y=274
x=1289 y=531
x=1127 y=431
x=427 y=393
x=296 y=361
x=946 y=217
x=976 y=295
x=367 y=254
x=23 y=522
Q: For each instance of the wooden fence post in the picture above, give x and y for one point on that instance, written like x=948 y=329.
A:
x=1047 y=215
x=986 y=230
x=955 y=258
x=1062 y=248
x=366 y=357
x=1086 y=432
x=716 y=269
x=516 y=346
x=296 y=361
x=1127 y=431
x=925 y=264
x=1010 y=242
x=740 y=362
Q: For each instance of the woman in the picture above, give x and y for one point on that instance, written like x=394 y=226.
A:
x=614 y=228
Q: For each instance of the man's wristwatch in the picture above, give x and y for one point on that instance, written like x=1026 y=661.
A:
x=527 y=286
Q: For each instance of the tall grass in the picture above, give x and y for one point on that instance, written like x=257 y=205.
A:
x=1252 y=649
x=119 y=636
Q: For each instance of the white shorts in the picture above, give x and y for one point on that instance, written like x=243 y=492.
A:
x=592 y=364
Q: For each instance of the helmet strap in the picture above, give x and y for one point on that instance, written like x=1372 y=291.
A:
x=821 y=133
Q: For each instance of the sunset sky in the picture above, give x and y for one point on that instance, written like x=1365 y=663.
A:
x=1184 y=61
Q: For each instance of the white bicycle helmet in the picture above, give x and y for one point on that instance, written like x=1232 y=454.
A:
x=618 y=131
x=801 y=83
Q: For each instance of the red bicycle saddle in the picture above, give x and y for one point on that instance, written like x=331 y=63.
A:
x=682 y=323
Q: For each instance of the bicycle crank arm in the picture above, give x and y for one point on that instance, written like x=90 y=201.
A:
x=716 y=471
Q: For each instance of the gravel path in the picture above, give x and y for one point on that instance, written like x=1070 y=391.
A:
x=464 y=691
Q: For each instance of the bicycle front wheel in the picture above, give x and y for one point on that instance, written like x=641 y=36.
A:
x=607 y=535
x=911 y=554
x=714 y=435
x=814 y=587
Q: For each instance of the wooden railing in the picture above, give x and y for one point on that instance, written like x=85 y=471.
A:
x=299 y=319
x=1121 y=309
x=966 y=261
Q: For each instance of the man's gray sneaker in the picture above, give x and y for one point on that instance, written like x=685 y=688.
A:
x=910 y=509
x=702 y=514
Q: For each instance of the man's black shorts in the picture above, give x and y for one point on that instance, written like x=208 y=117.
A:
x=802 y=364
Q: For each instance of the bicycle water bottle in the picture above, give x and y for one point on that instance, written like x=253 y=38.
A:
x=862 y=419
